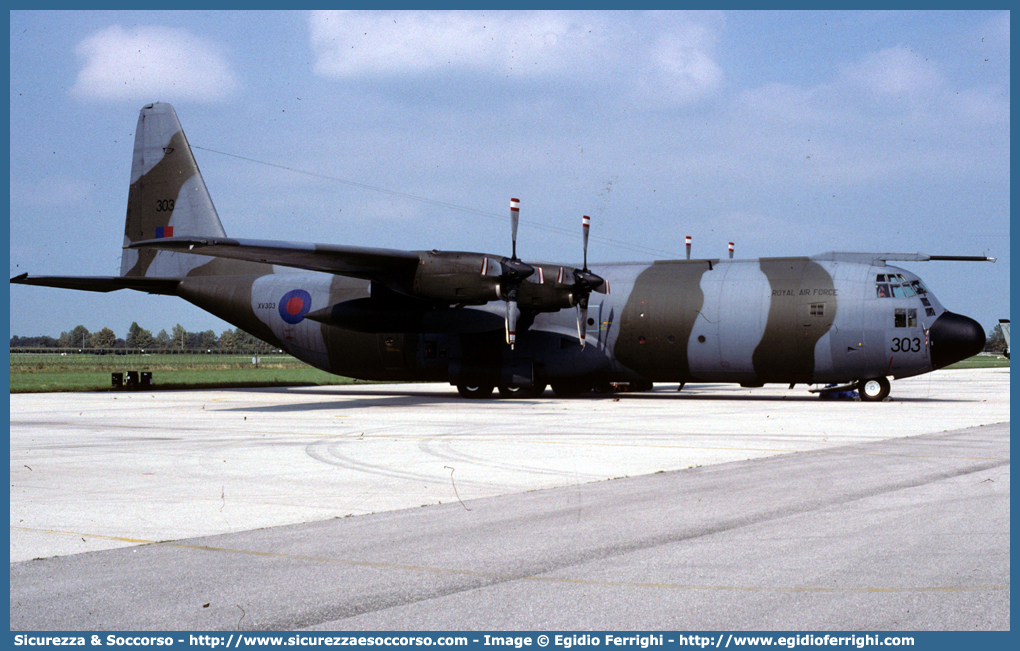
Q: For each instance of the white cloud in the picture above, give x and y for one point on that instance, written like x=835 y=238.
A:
x=147 y=63
x=673 y=59
x=352 y=44
x=679 y=65
x=896 y=71
x=893 y=113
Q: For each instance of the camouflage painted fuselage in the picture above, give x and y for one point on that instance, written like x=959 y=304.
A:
x=785 y=320
x=382 y=314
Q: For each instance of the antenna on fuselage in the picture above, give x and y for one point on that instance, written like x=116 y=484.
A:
x=731 y=250
x=688 y=241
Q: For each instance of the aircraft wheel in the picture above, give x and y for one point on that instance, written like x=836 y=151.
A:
x=476 y=392
x=570 y=389
x=873 y=390
x=521 y=392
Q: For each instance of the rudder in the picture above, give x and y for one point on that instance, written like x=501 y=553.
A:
x=167 y=197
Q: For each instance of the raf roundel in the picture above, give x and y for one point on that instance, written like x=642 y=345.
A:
x=294 y=305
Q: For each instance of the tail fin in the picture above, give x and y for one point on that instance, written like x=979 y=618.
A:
x=167 y=197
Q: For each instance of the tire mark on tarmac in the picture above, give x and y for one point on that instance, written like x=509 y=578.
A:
x=458 y=580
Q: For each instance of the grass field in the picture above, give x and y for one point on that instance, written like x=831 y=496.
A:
x=45 y=373
x=982 y=361
x=32 y=373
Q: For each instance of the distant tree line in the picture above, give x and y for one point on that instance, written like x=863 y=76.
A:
x=139 y=338
x=228 y=341
x=995 y=342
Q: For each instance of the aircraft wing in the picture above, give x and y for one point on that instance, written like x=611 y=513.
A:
x=166 y=286
x=389 y=266
x=450 y=277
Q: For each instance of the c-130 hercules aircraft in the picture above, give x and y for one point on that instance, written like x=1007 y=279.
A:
x=481 y=321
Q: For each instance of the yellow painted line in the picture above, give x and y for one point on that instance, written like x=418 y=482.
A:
x=76 y=534
x=543 y=579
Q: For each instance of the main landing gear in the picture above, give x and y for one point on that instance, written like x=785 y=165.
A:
x=475 y=392
x=561 y=388
x=483 y=391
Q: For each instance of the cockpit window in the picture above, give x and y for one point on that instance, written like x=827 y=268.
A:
x=896 y=286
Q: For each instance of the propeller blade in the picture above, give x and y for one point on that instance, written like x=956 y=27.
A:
x=585 y=223
x=585 y=282
x=515 y=211
x=512 y=272
x=582 y=319
x=511 y=321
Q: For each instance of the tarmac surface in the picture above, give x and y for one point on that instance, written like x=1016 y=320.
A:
x=728 y=508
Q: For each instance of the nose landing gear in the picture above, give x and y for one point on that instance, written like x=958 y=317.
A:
x=874 y=389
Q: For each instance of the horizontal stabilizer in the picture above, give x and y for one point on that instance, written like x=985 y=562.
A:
x=166 y=286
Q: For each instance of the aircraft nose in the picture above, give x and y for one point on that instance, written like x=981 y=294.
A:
x=954 y=337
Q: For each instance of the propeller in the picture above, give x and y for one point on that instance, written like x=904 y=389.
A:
x=512 y=272
x=585 y=282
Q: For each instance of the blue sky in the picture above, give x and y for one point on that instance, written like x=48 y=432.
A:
x=789 y=133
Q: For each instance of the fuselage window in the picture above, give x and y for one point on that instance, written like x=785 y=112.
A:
x=818 y=309
x=905 y=317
